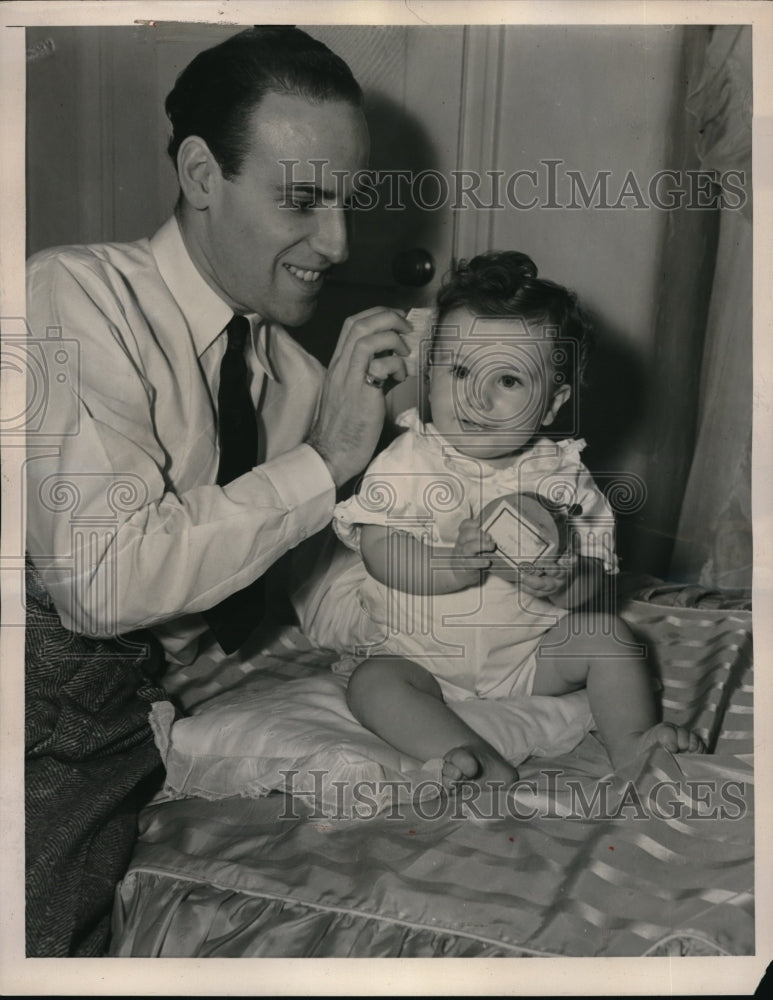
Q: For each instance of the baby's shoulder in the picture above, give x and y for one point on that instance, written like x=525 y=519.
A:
x=407 y=447
x=409 y=420
x=547 y=455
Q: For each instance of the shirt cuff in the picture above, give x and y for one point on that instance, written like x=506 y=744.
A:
x=302 y=479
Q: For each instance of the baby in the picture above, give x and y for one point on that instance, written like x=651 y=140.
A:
x=430 y=610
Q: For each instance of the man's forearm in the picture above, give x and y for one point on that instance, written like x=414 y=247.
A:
x=175 y=556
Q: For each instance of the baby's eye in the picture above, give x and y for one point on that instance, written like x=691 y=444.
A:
x=459 y=371
x=509 y=381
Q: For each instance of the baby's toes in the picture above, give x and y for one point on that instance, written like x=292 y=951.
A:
x=688 y=741
x=677 y=739
x=460 y=764
x=450 y=773
x=663 y=734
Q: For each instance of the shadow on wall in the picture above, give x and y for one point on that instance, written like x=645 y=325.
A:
x=399 y=142
x=609 y=414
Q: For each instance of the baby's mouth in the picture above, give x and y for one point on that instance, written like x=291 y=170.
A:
x=474 y=427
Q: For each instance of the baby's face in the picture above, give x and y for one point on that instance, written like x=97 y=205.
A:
x=492 y=384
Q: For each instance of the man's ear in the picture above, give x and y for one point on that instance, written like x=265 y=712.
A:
x=559 y=398
x=198 y=171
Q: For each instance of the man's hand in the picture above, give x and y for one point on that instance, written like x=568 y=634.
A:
x=351 y=413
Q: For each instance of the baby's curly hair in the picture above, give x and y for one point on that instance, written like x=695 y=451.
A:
x=504 y=283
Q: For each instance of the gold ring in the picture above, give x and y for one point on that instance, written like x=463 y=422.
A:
x=377 y=383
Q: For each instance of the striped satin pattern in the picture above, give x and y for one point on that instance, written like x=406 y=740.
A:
x=657 y=860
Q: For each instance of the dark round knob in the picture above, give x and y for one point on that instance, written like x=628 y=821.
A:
x=413 y=267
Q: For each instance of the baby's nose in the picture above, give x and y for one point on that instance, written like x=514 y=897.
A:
x=488 y=397
x=497 y=405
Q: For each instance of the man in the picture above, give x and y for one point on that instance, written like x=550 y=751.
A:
x=144 y=520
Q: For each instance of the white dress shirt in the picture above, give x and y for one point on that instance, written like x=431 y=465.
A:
x=124 y=521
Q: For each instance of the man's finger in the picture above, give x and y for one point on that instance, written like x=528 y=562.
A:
x=377 y=345
x=389 y=367
x=365 y=325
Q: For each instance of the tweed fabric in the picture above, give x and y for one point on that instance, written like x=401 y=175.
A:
x=91 y=764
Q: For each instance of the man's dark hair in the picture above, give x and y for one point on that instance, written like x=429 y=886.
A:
x=217 y=92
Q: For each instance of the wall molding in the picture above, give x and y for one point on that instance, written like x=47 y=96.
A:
x=479 y=125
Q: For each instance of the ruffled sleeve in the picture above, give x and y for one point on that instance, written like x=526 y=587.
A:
x=591 y=519
x=388 y=491
x=556 y=472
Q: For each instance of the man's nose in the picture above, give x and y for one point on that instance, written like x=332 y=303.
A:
x=331 y=239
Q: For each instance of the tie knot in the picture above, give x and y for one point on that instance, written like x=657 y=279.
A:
x=237 y=331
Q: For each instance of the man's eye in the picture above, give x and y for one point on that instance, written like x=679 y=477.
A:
x=302 y=204
x=509 y=381
x=459 y=371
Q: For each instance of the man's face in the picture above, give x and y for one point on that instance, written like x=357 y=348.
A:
x=272 y=232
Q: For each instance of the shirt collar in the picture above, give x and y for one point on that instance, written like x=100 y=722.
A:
x=204 y=311
x=261 y=344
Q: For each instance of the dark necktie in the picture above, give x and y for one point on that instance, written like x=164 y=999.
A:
x=236 y=616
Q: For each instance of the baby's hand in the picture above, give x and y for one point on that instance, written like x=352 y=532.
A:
x=471 y=553
x=547 y=577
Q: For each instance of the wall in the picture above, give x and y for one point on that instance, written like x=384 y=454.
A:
x=599 y=99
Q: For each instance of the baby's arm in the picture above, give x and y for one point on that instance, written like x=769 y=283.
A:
x=405 y=563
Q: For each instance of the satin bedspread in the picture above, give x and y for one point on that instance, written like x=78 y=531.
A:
x=659 y=863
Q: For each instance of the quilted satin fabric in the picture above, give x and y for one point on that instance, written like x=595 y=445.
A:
x=660 y=862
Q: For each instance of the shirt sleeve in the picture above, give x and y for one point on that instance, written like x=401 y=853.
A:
x=117 y=547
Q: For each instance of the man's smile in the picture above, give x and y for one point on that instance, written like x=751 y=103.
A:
x=304 y=274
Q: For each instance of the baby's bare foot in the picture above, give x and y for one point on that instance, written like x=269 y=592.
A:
x=676 y=739
x=476 y=764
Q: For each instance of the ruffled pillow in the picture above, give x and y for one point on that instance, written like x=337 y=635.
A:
x=300 y=737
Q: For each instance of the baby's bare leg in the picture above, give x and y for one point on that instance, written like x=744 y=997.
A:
x=402 y=703
x=599 y=652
